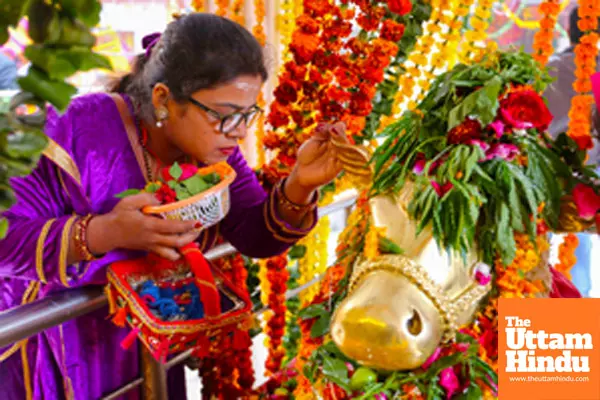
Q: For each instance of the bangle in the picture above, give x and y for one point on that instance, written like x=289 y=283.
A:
x=290 y=205
x=81 y=238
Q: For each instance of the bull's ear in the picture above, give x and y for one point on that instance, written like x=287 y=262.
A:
x=466 y=300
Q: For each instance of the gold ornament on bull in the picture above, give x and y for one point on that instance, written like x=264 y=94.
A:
x=400 y=308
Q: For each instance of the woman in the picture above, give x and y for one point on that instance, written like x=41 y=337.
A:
x=190 y=99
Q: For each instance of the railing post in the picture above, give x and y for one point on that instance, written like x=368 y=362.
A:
x=154 y=374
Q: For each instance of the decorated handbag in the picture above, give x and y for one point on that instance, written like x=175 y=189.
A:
x=187 y=304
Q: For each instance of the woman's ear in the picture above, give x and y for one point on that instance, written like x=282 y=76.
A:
x=160 y=96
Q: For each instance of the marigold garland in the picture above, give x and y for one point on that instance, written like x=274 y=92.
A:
x=277 y=275
x=474 y=47
x=222 y=7
x=542 y=41
x=586 y=52
x=198 y=5
x=445 y=23
x=237 y=12
x=314 y=261
x=331 y=77
x=566 y=255
x=259 y=130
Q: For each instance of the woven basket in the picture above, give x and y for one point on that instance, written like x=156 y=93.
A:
x=208 y=207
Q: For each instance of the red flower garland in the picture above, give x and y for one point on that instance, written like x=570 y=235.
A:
x=278 y=275
x=333 y=76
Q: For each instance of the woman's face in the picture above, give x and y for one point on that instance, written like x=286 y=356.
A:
x=193 y=126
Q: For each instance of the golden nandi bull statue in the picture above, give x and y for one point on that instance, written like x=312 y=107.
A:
x=399 y=308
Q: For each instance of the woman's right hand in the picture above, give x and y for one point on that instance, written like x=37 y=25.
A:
x=127 y=227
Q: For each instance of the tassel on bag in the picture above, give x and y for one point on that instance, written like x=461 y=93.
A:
x=130 y=338
x=120 y=317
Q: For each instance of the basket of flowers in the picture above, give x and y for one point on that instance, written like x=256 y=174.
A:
x=173 y=306
x=191 y=193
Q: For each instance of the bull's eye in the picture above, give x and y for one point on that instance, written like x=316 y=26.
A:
x=414 y=324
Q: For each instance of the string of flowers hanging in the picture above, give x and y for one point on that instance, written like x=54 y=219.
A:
x=198 y=5
x=442 y=33
x=586 y=52
x=474 y=47
x=566 y=255
x=259 y=32
x=542 y=41
x=314 y=261
x=237 y=12
x=222 y=7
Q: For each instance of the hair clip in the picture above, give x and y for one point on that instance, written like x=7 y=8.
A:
x=149 y=41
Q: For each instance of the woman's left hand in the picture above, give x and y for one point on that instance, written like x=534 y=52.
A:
x=317 y=164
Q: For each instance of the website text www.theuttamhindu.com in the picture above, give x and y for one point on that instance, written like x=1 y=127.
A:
x=531 y=378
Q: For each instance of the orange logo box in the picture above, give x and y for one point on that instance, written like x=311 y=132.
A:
x=549 y=349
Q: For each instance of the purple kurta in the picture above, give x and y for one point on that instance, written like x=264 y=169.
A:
x=88 y=161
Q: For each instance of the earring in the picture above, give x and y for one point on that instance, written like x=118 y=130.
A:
x=161 y=115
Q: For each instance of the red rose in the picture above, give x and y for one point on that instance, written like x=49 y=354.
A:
x=401 y=7
x=525 y=109
x=187 y=171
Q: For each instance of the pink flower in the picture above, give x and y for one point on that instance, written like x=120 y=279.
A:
x=432 y=358
x=449 y=381
x=498 y=127
x=504 y=151
x=187 y=171
x=381 y=396
x=419 y=164
x=483 y=145
x=586 y=200
x=441 y=190
x=482 y=278
x=482 y=274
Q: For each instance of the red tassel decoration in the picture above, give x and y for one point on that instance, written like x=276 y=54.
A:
x=120 y=317
x=130 y=338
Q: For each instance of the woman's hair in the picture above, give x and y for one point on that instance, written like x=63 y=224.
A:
x=196 y=51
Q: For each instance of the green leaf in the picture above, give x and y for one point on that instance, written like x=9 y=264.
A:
x=9 y=16
x=20 y=145
x=483 y=103
x=320 y=326
x=336 y=371
x=3 y=227
x=175 y=171
x=505 y=238
x=387 y=246
x=128 y=192
x=212 y=179
x=38 y=83
x=312 y=311
x=195 y=185
x=182 y=192
x=152 y=187
x=297 y=252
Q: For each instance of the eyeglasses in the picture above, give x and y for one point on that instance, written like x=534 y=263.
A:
x=228 y=123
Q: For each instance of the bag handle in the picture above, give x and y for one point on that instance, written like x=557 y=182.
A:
x=209 y=295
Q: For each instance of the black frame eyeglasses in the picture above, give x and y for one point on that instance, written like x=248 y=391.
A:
x=229 y=123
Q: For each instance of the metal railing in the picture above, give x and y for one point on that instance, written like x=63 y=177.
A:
x=30 y=319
